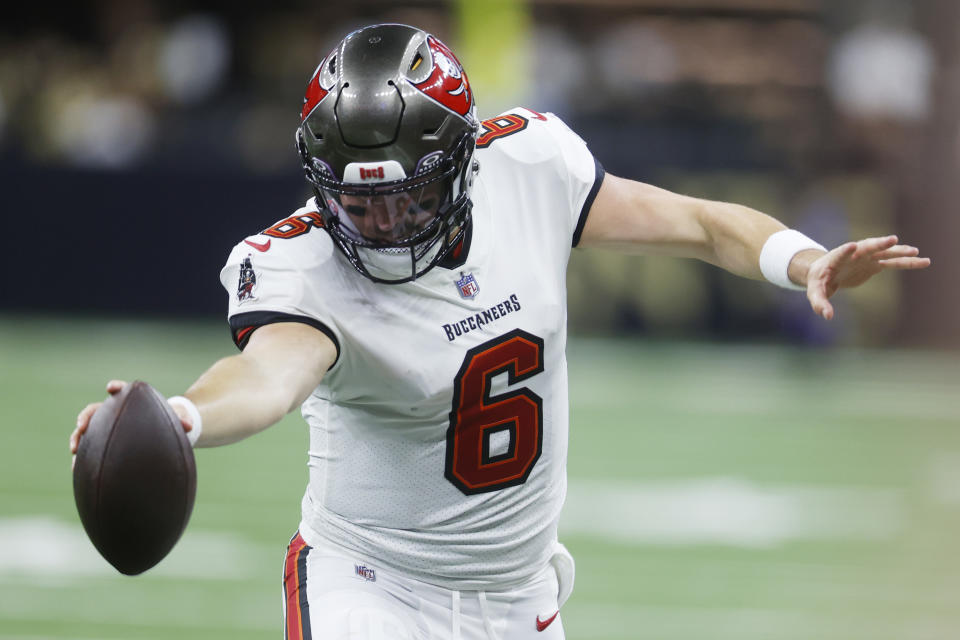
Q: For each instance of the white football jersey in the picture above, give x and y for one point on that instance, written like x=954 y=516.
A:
x=438 y=439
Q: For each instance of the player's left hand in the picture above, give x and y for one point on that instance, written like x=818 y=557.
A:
x=853 y=263
x=86 y=414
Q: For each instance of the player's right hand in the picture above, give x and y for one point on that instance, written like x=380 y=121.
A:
x=83 y=418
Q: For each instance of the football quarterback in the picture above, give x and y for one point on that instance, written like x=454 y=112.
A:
x=415 y=310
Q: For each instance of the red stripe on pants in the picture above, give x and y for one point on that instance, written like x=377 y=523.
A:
x=291 y=588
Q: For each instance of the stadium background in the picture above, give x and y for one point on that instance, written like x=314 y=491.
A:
x=738 y=468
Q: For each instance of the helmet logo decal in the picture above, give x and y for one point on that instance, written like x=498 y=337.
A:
x=447 y=82
x=429 y=162
x=315 y=93
x=371 y=174
x=363 y=172
x=320 y=83
x=445 y=64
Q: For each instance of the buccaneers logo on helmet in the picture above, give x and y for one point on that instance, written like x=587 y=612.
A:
x=315 y=93
x=320 y=84
x=447 y=82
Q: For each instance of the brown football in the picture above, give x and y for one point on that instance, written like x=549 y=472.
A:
x=135 y=479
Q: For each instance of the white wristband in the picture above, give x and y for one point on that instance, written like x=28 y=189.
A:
x=195 y=418
x=777 y=253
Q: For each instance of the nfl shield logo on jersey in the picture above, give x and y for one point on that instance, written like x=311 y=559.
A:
x=365 y=572
x=248 y=281
x=468 y=286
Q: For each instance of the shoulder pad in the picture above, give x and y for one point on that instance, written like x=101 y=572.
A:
x=297 y=242
x=527 y=135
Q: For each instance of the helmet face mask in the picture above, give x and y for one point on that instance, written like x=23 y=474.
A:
x=393 y=220
x=386 y=141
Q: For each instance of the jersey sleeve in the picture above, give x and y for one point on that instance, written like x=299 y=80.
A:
x=266 y=285
x=549 y=153
x=584 y=173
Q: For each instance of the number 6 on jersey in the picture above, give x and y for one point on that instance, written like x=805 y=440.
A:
x=477 y=418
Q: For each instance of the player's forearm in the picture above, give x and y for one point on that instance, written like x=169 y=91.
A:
x=236 y=399
x=279 y=368
x=636 y=217
x=735 y=237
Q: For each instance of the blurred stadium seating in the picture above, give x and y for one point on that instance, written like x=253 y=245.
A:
x=161 y=132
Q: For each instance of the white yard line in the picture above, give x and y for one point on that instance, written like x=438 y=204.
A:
x=42 y=548
x=728 y=511
x=719 y=511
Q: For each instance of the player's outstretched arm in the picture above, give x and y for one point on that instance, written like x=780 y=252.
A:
x=636 y=217
x=246 y=393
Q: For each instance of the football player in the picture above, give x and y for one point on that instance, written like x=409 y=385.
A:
x=415 y=310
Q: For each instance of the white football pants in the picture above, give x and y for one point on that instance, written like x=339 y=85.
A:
x=328 y=595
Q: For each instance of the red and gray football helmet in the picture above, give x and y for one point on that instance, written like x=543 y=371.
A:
x=386 y=138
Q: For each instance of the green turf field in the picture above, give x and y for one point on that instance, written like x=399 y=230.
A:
x=723 y=492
